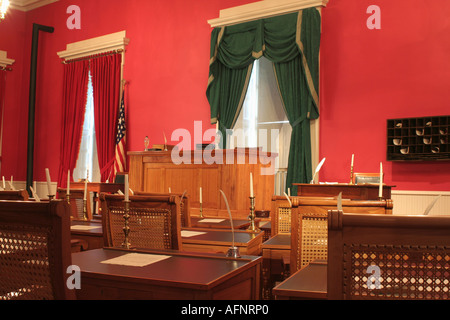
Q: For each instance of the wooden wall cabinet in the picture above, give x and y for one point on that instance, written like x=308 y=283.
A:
x=154 y=171
x=418 y=139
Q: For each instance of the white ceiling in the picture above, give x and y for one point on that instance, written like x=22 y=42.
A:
x=27 y=5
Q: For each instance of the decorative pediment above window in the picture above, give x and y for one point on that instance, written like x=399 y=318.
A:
x=4 y=61
x=27 y=5
x=110 y=42
x=262 y=9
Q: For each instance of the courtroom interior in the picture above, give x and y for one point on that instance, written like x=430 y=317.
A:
x=271 y=150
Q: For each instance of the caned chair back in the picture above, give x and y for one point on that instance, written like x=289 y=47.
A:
x=76 y=198
x=185 y=208
x=14 y=195
x=35 y=250
x=282 y=212
x=310 y=226
x=154 y=221
x=388 y=257
x=280 y=216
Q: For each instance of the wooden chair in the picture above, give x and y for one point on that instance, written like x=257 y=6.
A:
x=35 y=250
x=185 y=208
x=76 y=203
x=282 y=211
x=361 y=178
x=14 y=195
x=154 y=221
x=388 y=257
x=309 y=225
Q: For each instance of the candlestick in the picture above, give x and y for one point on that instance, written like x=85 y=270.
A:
x=126 y=229
x=252 y=216
x=47 y=174
x=85 y=210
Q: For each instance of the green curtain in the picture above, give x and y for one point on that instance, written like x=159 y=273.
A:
x=292 y=43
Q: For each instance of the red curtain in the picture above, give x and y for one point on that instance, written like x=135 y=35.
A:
x=106 y=72
x=2 y=102
x=76 y=78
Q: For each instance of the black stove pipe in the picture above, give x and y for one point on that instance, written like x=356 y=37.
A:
x=32 y=100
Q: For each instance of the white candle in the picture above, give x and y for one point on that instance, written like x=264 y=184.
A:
x=380 y=192
x=353 y=159
x=127 y=191
x=68 y=182
x=251 y=185
x=4 y=185
x=289 y=192
x=85 y=186
x=49 y=186
x=201 y=195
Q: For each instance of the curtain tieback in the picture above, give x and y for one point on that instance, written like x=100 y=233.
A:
x=299 y=121
x=107 y=166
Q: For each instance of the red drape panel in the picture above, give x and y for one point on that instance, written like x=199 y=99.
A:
x=2 y=102
x=76 y=78
x=106 y=83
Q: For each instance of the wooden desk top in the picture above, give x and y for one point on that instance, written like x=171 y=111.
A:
x=278 y=241
x=307 y=283
x=219 y=223
x=366 y=191
x=180 y=269
x=218 y=236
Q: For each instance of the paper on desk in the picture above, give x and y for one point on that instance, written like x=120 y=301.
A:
x=212 y=220
x=136 y=259
x=188 y=233
x=84 y=228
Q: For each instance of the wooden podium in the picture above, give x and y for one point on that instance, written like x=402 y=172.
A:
x=156 y=171
x=366 y=191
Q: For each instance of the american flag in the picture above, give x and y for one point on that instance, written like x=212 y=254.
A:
x=120 y=157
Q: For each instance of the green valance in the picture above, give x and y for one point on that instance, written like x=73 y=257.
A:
x=289 y=41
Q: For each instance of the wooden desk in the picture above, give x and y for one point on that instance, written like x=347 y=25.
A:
x=367 y=191
x=220 y=223
x=274 y=251
x=219 y=241
x=307 y=283
x=90 y=231
x=179 y=277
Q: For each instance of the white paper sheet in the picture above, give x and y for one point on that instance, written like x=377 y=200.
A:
x=136 y=259
x=212 y=220
x=188 y=233
x=84 y=228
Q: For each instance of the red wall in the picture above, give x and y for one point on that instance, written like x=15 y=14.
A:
x=367 y=76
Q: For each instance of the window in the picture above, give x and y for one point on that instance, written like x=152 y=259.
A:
x=87 y=158
x=262 y=121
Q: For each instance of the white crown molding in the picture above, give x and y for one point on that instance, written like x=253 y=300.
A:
x=262 y=9
x=109 y=42
x=4 y=61
x=27 y=5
